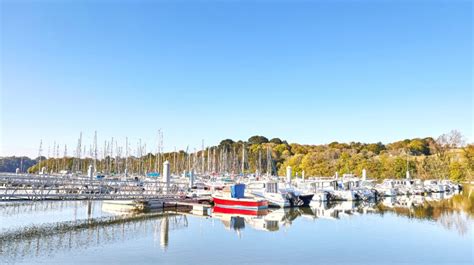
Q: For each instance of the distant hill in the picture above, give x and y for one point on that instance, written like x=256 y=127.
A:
x=11 y=163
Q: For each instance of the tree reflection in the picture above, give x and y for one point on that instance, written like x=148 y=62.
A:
x=452 y=211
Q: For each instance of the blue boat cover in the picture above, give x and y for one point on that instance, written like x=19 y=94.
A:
x=237 y=191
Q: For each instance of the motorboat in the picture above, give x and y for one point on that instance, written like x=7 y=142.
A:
x=238 y=199
x=269 y=190
x=433 y=185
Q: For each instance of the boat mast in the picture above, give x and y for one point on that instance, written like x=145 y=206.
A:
x=95 y=151
x=269 y=161
x=208 y=160
x=150 y=166
x=235 y=162
x=224 y=160
x=174 y=160
x=202 y=158
x=160 y=149
x=57 y=158
x=104 y=162
x=53 y=167
x=76 y=161
x=126 y=156
x=65 y=158
x=118 y=155
x=83 y=154
x=214 y=168
x=243 y=158
x=111 y=154
x=408 y=169
x=39 y=155
x=158 y=155
x=139 y=151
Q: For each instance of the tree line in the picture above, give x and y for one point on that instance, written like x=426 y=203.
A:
x=444 y=157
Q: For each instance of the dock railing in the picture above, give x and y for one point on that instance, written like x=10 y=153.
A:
x=50 y=187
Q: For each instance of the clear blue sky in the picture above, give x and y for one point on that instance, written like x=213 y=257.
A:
x=307 y=71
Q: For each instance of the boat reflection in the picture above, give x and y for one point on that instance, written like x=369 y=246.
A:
x=273 y=220
x=92 y=226
x=451 y=210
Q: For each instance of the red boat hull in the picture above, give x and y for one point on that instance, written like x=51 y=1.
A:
x=241 y=204
x=218 y=209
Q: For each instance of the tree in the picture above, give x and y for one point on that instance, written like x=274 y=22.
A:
x=226 y=143
x=432 y=159
x=298 y=149
x=257 y=139
x=376 y=148
x=456 y=172
x=295 y=163
x=418 y=147
x=10 y=164
x=315 y=164
x=468 y=152
x=276 y=141
x=447 y=142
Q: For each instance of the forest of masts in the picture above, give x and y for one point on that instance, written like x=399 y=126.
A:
x=116 y=159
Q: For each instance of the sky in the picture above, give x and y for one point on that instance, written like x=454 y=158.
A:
x=309 y=72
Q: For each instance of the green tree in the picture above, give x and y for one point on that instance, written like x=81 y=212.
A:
x=418 y=147
x=257 y=139
x=276 y=141
x=376 y=148
x=457 y=172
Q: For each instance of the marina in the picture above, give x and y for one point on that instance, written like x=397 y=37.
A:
x=236 y=132
x=276 y=191
x=47 y=217
x=71 y=232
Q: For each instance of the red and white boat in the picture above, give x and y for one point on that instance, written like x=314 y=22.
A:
x=236 y=219
x=245 y=205
x=243 y=212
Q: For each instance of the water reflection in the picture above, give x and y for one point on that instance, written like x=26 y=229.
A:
x=453 y=211
x=30 y=213
x=93 y=224
x=45 y=240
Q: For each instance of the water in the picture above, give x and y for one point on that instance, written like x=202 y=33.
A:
x=433 y=231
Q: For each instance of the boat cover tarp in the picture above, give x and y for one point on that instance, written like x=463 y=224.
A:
x=237 y=191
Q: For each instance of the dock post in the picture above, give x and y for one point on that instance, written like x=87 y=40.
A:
x=166 y=174
x=191 y=179
x=288 y=174
x=90 y=172
x=164 y=238
x=364 y=174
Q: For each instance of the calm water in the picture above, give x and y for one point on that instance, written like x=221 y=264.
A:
x=406 y=230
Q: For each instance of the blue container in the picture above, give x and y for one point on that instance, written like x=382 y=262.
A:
x=237 y=191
